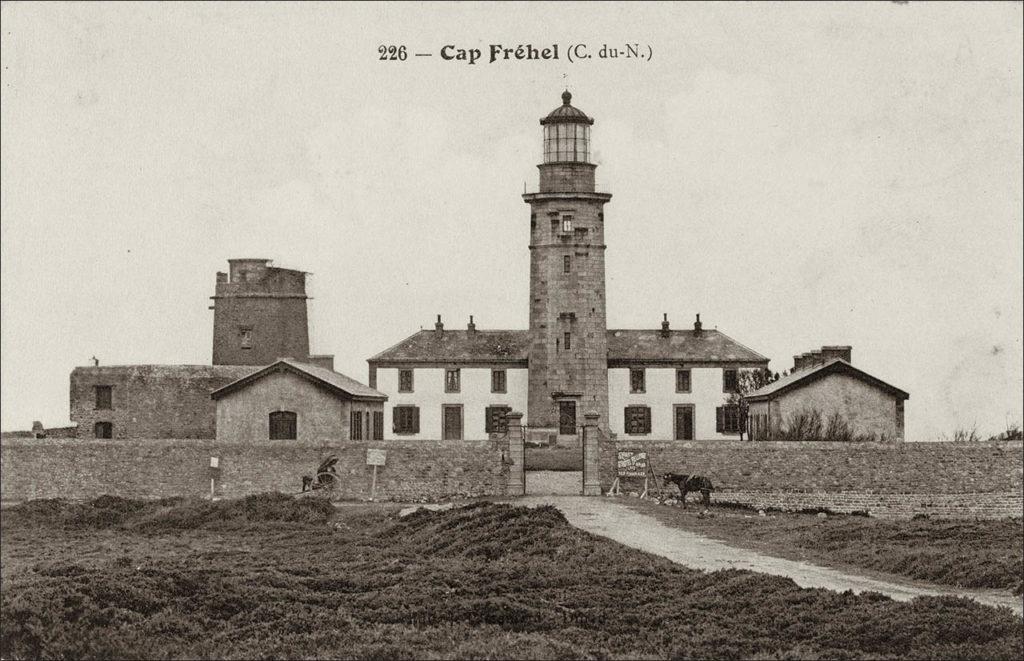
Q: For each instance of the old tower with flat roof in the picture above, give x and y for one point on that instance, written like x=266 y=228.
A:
x=259 y=314
x=568 y=351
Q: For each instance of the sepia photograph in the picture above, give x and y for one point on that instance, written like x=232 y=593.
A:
x=511 y=330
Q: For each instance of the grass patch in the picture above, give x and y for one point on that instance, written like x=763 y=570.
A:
x=960 y=553
x=275 y=577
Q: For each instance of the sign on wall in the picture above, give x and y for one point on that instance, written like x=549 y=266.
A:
x=376 y=457
x=632 y=463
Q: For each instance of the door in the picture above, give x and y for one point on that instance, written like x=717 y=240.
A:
x=452 y=417
x=566 y=417
x=684 y=422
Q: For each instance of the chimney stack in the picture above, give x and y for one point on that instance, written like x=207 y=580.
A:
x=842 y=352
x=664 y=325
x=697 y=325
x=438 y=327
x=471 y=327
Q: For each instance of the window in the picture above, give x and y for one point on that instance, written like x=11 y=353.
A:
x=729 y=419
x=566 y=264
x=104 y=397
x=283 y=425
x=568 y=341
x=498 y=381
x=730 y=381
x=103 y=430
x=378 y=425
x=406 y=419
x=356 y=429
x=496 y=419
x=636 y=380
x=566 y=224
x=451 y=380
x=638 y=420
x=404 y=380
x=245 y=337
x=682 y=380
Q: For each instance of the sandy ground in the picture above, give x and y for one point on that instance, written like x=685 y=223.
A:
x=603 y=516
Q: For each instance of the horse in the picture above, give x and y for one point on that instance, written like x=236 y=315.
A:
x=687 y=483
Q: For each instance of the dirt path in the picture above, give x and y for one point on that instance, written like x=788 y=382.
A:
x=603 y=516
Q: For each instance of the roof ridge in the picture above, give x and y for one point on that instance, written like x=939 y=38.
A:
x=395 y=345
x=731 y=339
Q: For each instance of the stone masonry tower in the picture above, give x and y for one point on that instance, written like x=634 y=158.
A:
x=259 y=314
x=568 y=343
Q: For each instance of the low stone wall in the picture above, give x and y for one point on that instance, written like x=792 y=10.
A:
x=153 y=468
x=953 y=480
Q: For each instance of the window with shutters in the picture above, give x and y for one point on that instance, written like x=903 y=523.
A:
x=729 y=419
x=730 y=381
x=283 y=425
x=636 y=380
x=682 y=380
x=566 y=224
x=638 y=420
x=104 y=397
x=496 y=419
x=103 y=430
x=499 y=381
x=406 y=419
x=356 y=428
x=451 y=380
x=404 y=380
x=378 y=425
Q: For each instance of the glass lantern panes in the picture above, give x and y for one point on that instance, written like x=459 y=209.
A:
x=568 y=142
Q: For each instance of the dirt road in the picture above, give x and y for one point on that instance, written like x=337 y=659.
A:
x=603 y=516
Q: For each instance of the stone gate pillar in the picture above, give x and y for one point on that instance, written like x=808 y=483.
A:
x=591 y=455
x=516 y=454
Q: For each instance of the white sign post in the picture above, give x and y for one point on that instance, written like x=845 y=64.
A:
x=214 y=468
x=375 y=458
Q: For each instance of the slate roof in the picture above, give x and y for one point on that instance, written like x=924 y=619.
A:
x=460 y=346
x=333 y=381
x=802 y=377
x=709 y=346
x=512 y=346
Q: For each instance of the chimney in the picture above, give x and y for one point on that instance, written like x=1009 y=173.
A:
x=438 y=327
x=697 y=325
x=471 y=327
x=664 y=325
x=798 y=362
x=842 y=352
x=815 y=358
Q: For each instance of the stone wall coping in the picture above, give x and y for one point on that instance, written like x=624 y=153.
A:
x=818 y=445
x=213 y=443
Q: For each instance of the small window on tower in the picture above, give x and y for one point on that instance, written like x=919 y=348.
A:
x=568 y=341
x=566 y=224
x=566 y=264
x=245 y=336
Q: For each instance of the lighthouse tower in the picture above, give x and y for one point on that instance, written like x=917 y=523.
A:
x=568 y=355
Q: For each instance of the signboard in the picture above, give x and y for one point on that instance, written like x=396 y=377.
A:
x=632 y=463
x=375 y=457
x=214 y=462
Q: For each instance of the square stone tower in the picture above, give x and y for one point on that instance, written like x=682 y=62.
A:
x=568 y=353
x=259 y=314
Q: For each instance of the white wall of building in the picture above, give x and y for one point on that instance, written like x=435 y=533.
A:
x=428 y=393
x=660 y=395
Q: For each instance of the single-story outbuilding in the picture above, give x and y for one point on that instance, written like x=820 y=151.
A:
x=293 y=400
x=826 y=398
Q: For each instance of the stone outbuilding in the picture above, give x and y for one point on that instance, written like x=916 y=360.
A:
x=826 y=398
x=289 y=400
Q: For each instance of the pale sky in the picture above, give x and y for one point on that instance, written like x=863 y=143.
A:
x=800 y=174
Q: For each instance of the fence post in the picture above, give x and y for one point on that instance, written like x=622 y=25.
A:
x=591 y=455
x=516 y=454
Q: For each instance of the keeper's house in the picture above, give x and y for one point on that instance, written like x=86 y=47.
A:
x=827 y=398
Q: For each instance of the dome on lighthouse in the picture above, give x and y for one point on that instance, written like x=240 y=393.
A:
x=566 y=113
